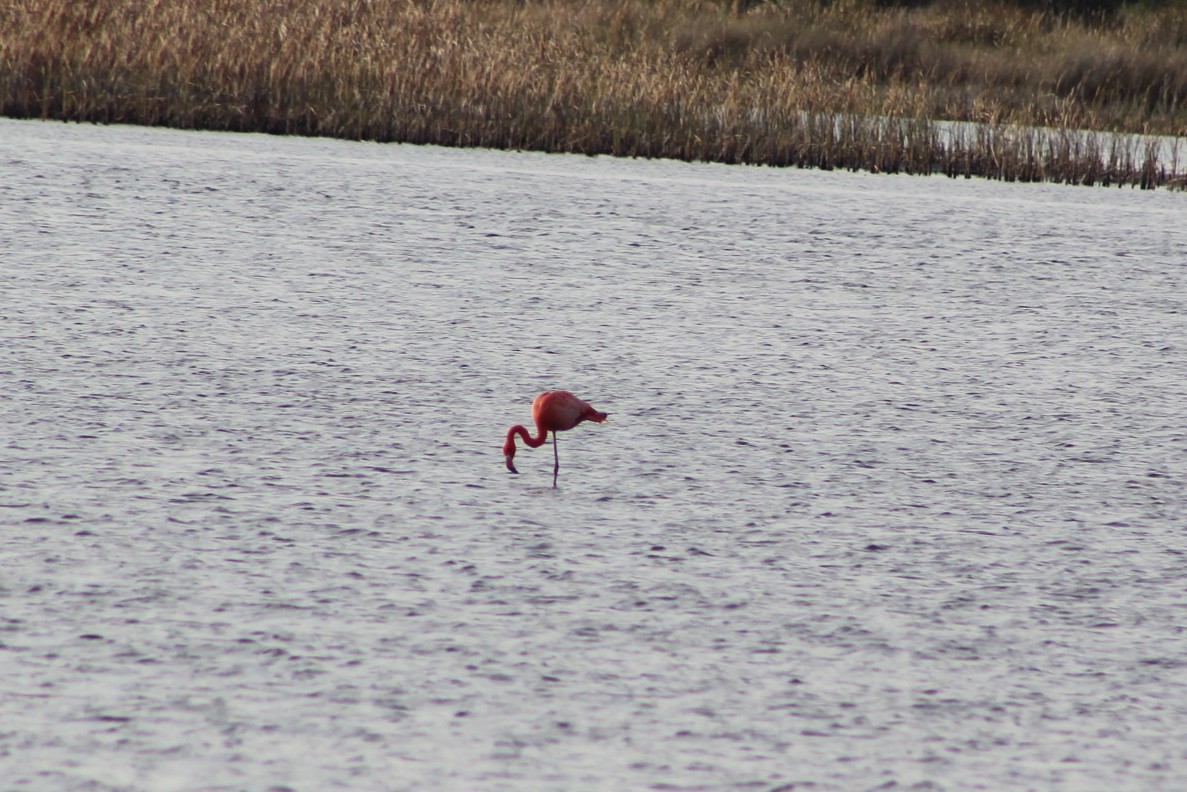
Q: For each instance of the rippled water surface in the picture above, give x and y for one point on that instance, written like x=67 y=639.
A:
x=892 y=493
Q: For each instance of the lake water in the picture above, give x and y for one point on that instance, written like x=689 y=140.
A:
x=893 y=492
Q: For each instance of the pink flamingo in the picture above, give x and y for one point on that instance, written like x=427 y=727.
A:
x=553 y=411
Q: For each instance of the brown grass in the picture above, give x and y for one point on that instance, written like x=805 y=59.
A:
x=838 y=85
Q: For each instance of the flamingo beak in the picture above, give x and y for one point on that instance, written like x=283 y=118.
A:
x=511 y=463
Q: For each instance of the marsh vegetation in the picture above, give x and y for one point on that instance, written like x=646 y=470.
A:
x=845 y=84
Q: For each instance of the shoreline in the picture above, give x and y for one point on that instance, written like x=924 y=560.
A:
x=952 y=149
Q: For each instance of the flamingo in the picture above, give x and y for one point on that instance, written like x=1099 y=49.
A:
x=553 y=411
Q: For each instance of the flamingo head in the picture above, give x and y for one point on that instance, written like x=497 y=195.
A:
x=509 y=454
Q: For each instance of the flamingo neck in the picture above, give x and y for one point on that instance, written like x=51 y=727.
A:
x=531 y=442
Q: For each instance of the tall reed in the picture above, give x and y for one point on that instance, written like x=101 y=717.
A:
x=839 y=85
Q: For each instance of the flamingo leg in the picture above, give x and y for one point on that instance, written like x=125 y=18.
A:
x=556 y=461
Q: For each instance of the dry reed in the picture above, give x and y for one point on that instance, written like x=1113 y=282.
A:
x=837 y=85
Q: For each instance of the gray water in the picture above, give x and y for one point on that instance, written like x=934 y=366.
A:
x=891 y=496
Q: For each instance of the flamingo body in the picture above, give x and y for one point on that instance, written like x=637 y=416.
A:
x=553 y=411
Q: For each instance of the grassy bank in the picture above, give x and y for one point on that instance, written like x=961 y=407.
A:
x=844 y=84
